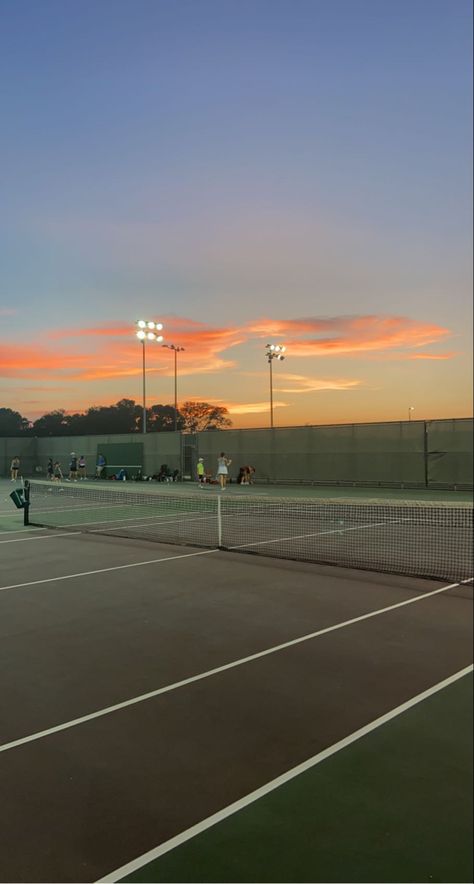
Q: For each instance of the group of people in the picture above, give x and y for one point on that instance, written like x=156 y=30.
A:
x=245 y=476
x=77 y=469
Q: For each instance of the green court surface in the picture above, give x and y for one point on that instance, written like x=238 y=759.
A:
x=394 y=806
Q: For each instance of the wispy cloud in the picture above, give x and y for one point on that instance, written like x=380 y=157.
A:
x=432 y=355
x=303 y=384
x=253 y=407
x=352 y=335
x=101 y=352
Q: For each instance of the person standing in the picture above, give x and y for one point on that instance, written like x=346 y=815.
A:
x=82 y=467
x=57 y=472
x=50 y=469
x=100 y=466
x=223 y=464
x=73 y=467
x=14 y=468
x=201 y=474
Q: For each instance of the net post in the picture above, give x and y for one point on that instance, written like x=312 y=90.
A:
x=219 y=523
x=26 y=507
x=426 y=453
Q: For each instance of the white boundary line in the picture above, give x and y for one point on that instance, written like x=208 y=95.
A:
x=236 y=806
x=23 y=530
x=41 y=537
x=203 y=552
x=210 y=672
x=340 y=530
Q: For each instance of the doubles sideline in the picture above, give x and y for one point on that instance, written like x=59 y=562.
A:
x=225 y=812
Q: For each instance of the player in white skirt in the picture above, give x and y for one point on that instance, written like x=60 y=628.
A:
x=223 y=463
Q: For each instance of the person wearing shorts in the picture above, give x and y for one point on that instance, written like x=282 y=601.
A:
x=14 y=468
x=50 y=469
x=100 y=466
x=73 y=467
x=82 y=467
x=57 y=472
x=223 y=464
x=201 y=473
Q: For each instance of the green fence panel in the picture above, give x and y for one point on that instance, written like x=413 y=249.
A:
x=450 y=452
x=437 y=453
x=162 y=448
x=26 y=451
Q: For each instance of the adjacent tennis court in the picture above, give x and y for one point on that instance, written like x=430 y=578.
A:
x=176 y=710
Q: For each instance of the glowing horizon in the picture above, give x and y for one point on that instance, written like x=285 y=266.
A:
x=298 y=176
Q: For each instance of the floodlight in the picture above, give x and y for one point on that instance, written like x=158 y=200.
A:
x=145 y=333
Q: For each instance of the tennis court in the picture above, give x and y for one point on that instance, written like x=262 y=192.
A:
x=176 y=709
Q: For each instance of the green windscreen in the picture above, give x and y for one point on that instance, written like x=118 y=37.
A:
x=122 y=455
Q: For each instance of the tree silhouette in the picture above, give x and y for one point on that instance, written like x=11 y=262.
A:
x=12 y=423
x=123 y=417
x=160 y=418
x=54 y=423
x=199 y=416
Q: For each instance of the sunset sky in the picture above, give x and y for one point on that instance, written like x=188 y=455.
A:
x=246 y=172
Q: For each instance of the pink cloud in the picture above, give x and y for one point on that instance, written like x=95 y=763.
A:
x=254 y=407
x=112 y=351
x=350 y=334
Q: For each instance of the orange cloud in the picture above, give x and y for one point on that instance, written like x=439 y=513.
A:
x=112 y=351
x=432 y=355
x=253 y=407
x=350 y=334
x=302 y=384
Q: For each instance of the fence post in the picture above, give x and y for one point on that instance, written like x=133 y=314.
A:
x=425 y=452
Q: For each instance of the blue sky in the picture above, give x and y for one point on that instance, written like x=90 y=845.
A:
x=227 y=162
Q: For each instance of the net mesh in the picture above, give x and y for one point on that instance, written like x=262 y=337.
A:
x=417 y=539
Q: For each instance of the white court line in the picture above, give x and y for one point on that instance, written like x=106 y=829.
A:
x=125 y=519
x=203 y=552
x=339 y=530
x=228 y=811
x=41 y=537
x=23 y=530
x=217 y=670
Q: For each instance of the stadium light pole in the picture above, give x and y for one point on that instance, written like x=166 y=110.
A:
x=410 y=409
x=273 y=351
x=147 y=331
x=176 y=351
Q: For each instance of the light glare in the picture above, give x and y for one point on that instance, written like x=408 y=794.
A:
x=141 y=335
x=141 y=323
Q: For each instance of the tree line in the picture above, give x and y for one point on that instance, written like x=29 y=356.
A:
x=123 y=417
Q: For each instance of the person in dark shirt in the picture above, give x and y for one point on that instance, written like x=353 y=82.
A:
x=73 y=467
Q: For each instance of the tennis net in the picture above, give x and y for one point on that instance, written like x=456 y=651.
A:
x=418 y=539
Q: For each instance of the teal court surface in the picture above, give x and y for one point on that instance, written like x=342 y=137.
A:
x=273 y=687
